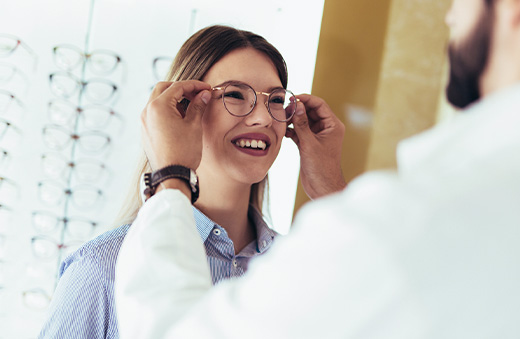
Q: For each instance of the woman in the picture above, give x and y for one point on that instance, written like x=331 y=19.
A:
x=239 y=145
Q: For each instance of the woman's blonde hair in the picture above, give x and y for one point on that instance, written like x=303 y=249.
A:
x=194 y=59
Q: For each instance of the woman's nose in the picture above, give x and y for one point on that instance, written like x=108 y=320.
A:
x=260 y=114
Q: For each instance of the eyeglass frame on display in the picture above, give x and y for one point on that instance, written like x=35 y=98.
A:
x=36 y=291
x=155 y=70
x=18 y=42
x=76 y=137
x=81 y=86
x=68 y=193
x=79 y=111
x=59 y=246
x=65 y=221
x=86 y=57
x=72 y=166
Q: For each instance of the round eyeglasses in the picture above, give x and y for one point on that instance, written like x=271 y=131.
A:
x=240 y=99
x=101 y=62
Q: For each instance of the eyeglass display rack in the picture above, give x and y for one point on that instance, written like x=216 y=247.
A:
x=14 y=85
x=79 y=113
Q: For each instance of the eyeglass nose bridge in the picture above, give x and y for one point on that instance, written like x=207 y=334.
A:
x=266 y=102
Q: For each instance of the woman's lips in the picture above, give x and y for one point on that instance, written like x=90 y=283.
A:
x=252 y=143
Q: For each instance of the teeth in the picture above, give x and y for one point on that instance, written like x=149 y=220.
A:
x=260 y=144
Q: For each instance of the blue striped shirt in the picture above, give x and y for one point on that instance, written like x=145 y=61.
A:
x=83 y=304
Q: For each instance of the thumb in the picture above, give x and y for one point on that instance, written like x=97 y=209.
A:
x=198 y=105
x=301 y=123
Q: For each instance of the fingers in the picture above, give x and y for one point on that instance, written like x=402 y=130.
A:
x=291 y=134
x=197 y=106
x=301 y=125
x=317 y=108
x=183 y=90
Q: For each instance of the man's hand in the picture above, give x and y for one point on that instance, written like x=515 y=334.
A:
x=318 y=133
x=170 y=134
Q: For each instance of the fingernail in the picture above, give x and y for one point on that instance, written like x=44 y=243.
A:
x=205 y=97
x=299 y=111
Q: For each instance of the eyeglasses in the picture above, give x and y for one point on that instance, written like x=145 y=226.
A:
x=63 y=112
x=240 y=99
x=86 y=170
x=46 y=248
x=58 y=138
x=100 y=62
x=82 y=196
x=45 y=222
x=161 y=67
x=6 y=99
x=65 y=85
x=36 y=299
x=9 y=44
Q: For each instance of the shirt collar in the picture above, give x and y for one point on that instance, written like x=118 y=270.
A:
x=264 y=234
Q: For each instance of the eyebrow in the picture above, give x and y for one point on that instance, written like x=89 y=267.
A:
x=225 y=83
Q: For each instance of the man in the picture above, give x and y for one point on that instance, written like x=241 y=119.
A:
x=428 y=252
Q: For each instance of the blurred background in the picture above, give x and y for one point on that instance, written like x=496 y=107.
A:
x=69 y=124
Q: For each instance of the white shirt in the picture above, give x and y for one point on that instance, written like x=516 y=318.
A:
x=430 y=251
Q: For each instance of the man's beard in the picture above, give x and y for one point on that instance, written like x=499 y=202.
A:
x=468 y=61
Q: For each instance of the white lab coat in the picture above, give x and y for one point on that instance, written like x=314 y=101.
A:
x=429 y=251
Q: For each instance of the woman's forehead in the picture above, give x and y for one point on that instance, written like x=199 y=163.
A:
x=246 y=65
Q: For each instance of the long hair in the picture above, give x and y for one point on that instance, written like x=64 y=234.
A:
x=196 y=56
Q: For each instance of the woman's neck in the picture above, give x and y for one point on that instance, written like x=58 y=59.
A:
x=226 y=202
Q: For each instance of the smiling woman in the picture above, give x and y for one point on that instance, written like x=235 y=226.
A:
x=236 y=154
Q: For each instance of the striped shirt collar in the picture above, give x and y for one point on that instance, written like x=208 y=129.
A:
x=264 y=234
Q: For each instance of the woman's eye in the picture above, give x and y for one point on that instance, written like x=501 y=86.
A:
x=278 y=100
x=234 y=95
